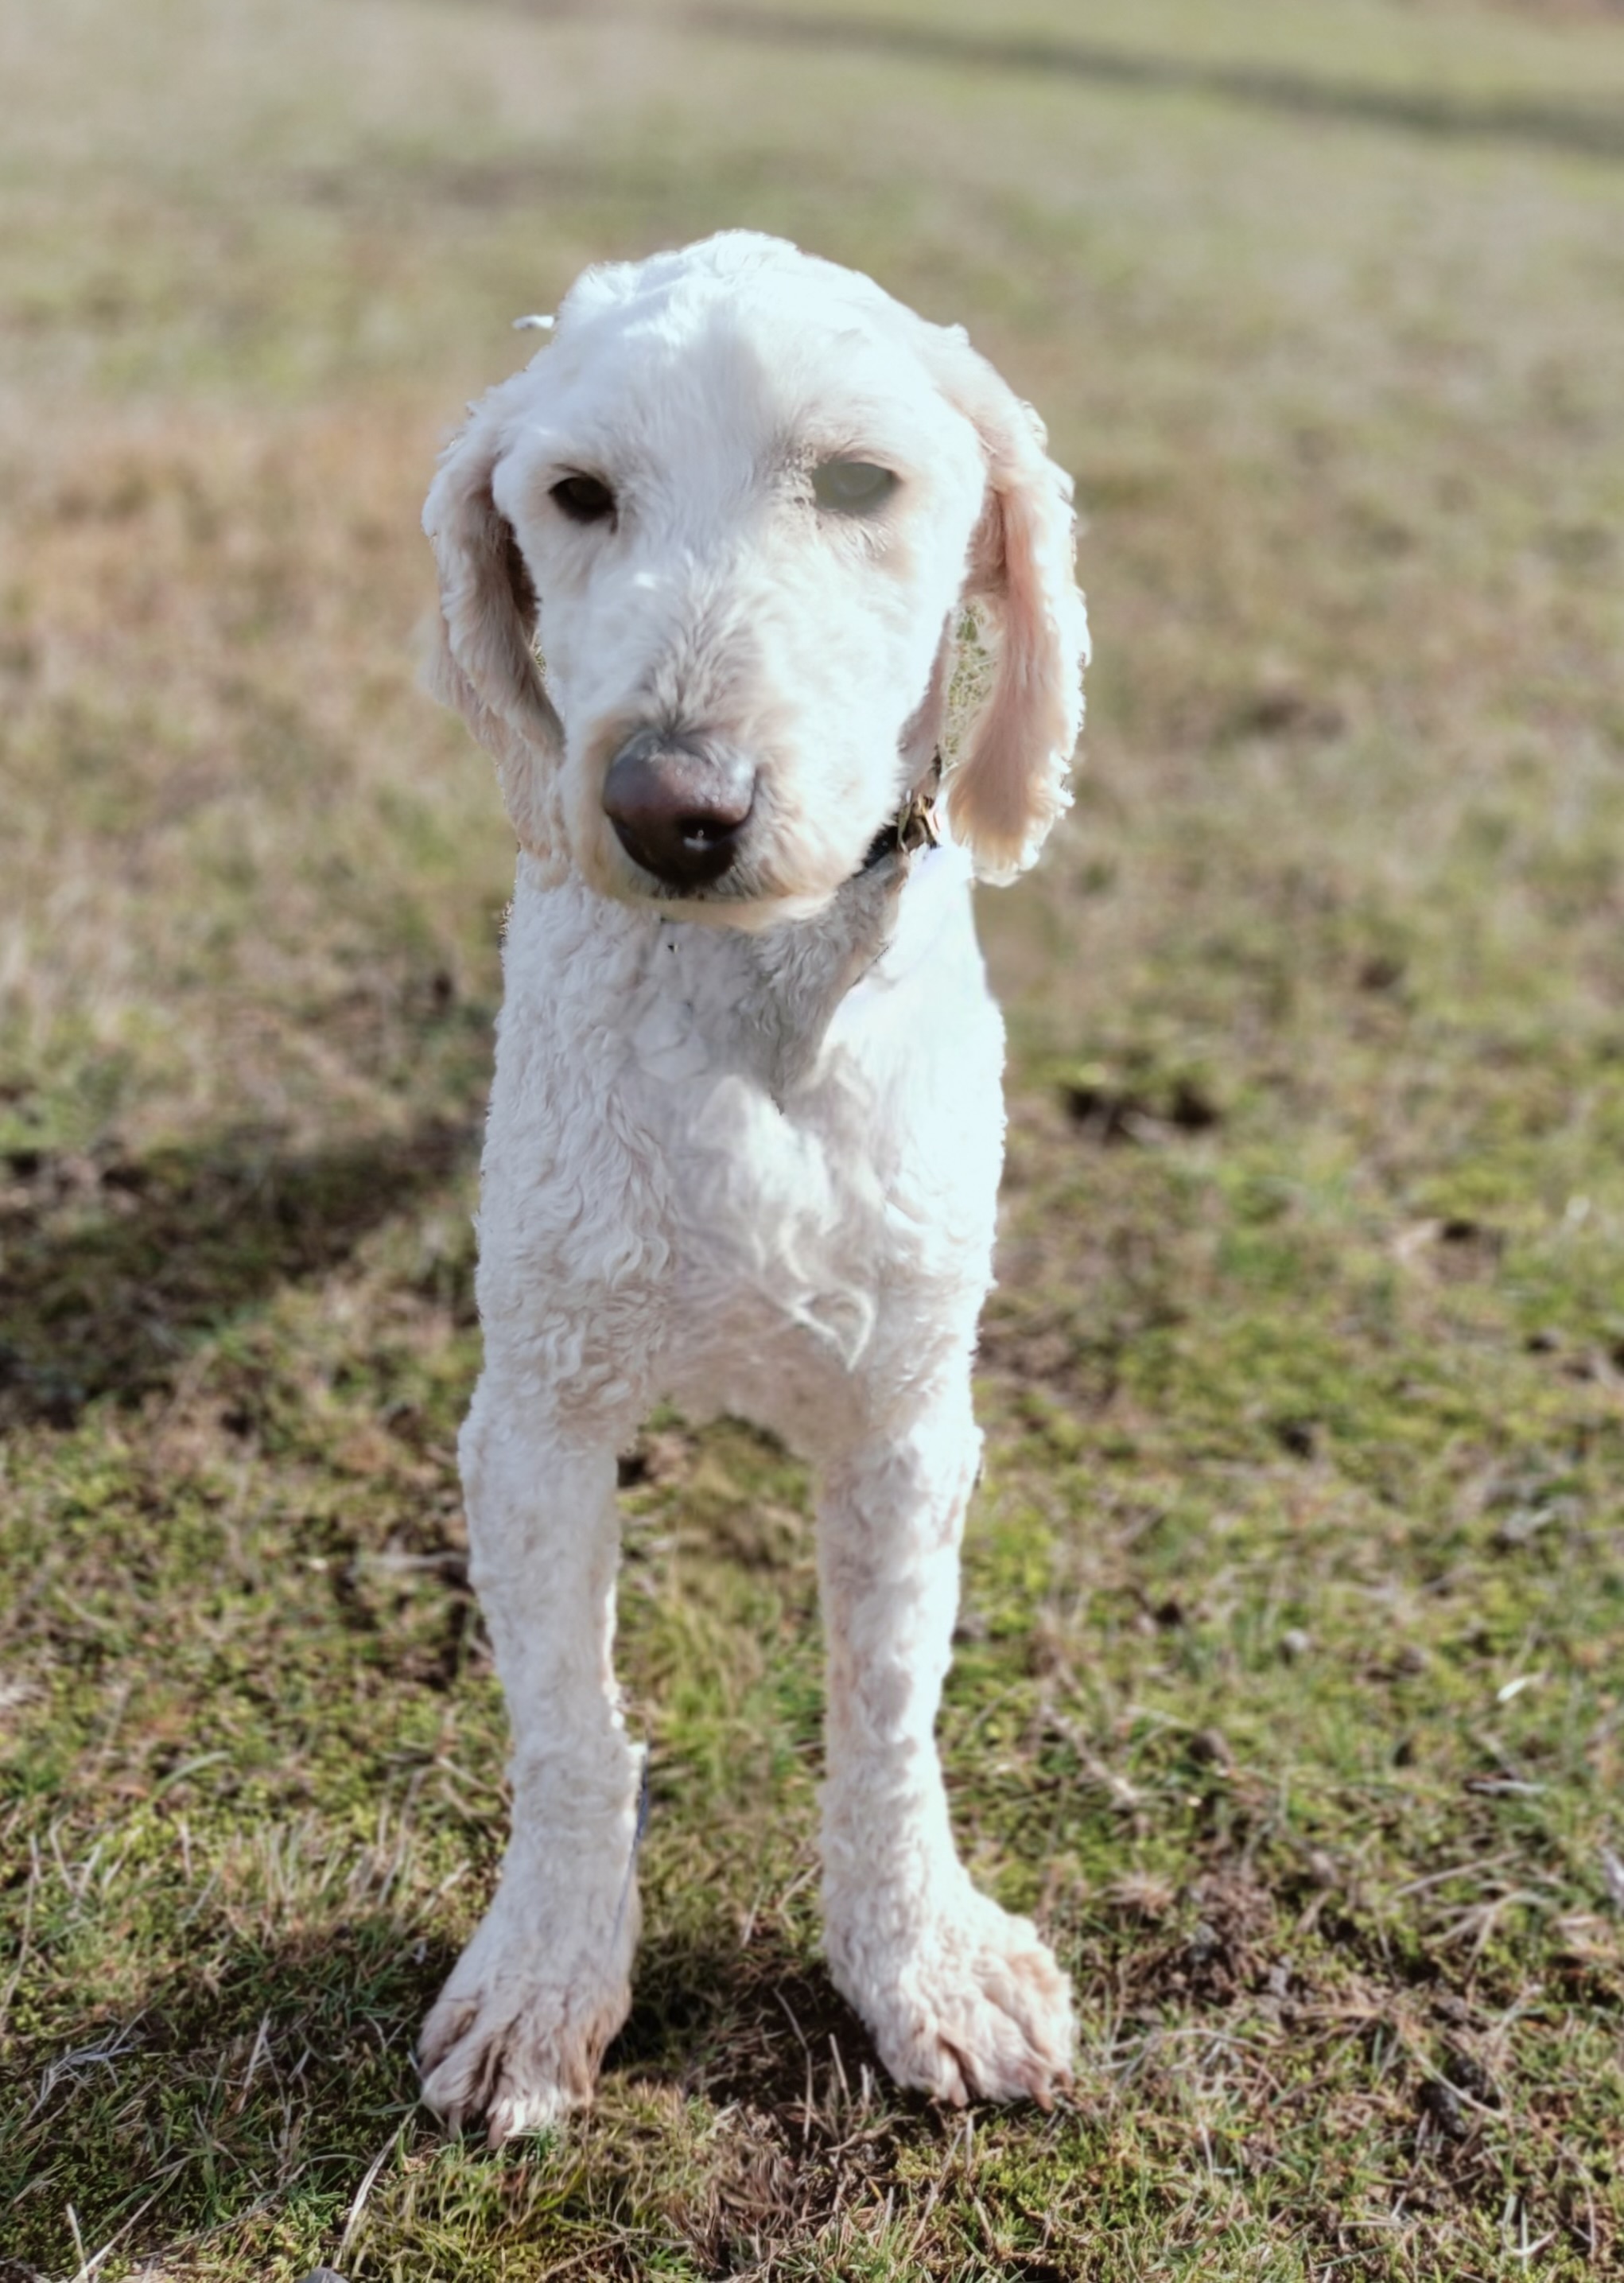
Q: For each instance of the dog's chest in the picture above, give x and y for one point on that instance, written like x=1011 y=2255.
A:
x=760 y=1172
x=807 y=1164
x=771 y=1142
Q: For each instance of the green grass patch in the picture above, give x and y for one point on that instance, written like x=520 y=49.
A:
x=1287 y=1687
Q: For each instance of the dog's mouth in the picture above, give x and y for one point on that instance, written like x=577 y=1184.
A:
x=740 y=897
x=749 y=892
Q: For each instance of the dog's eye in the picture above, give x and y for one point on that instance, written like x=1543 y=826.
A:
x=851 y=486
x=584 y=499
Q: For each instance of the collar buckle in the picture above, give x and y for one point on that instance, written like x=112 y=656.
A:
x=915 y=825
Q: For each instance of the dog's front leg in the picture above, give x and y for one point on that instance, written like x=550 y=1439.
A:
x=521 y=2025
x=962 y=1998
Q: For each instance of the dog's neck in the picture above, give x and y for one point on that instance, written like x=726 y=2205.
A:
x=764 y=999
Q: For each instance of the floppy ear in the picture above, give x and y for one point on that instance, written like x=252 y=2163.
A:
x=484 y=661
x=1009 y=783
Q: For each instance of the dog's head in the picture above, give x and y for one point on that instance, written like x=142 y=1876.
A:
x=740 y=503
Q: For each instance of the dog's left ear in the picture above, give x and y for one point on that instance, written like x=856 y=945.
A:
x=1009 y=784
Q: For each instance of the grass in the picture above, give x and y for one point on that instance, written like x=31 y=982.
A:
x=1288 y=1686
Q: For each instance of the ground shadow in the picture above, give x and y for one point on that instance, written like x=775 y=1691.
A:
x=268 y=2069
x=757 y=2025
x=1535 y=121
x=1592 y=133
x=290 y=2065
x=112 y=1267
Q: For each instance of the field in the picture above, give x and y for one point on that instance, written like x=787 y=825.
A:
x=1289 y=1692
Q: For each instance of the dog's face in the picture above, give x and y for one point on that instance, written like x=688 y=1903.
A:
x=739 y=501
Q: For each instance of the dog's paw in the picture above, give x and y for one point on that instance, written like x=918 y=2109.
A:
x=519 y=2030
x=969 y=2004
x=519 y=2063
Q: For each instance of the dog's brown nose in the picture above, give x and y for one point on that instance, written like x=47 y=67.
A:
x=678 y=806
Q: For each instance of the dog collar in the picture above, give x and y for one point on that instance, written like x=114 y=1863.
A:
x=915 y=825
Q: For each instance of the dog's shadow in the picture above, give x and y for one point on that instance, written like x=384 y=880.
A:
x=254 y=2070
x=762 y=2026
x=319 y=2029
x=112 y=1267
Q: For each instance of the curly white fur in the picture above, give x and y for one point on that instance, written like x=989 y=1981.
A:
x=744 y=1141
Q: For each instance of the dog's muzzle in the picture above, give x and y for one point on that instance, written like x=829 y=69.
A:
x=678 y=806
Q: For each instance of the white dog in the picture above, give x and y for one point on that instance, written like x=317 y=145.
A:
x=746 y=1129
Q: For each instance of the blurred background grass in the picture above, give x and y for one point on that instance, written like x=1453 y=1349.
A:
x=1289 y=1684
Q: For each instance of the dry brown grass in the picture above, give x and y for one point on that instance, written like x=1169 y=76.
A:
x=1287 y=1684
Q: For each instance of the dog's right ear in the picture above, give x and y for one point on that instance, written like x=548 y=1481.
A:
x=484 y=662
